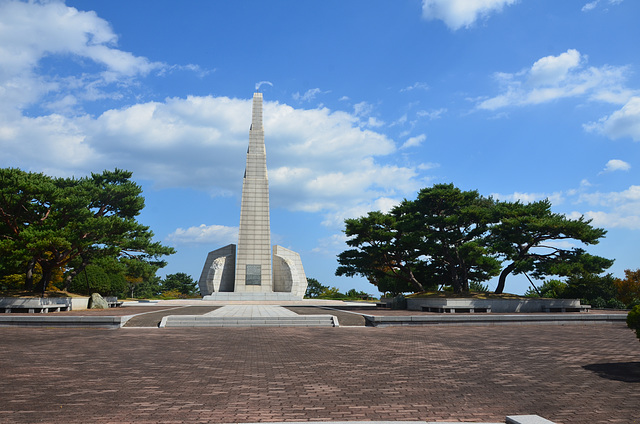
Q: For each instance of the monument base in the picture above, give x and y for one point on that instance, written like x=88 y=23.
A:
x=267 y=297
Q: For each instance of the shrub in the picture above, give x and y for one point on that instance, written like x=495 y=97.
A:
x=172 y=294
x=633 y=320
x=598 y=302
x=629 y=288
x=553 y=289
x=478 y=287
x=331 y=293
x=616 y=304
x=99 y=281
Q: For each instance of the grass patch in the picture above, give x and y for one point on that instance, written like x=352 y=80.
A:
x=29 y=294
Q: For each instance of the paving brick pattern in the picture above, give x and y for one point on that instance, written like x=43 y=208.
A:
x=344 y=318
x=153 y=318
x=568 y=374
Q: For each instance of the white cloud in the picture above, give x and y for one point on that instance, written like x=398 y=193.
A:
x=414 y=141
x=432 y=114
x=307 y=96
x=607 y=210
x=204 y=234
x=553 y=70
x=616 y=209
x=630 y=195
x=416 y=86
x=319 y=160
x=593 y=4
x=616 y=165
x=373 y=122
x=461 y=13
x=556 y=77
x=332 y=245
x=621 y=123
x=261 y=83
x=31 y=31
x=427 y=166
x=555 y=198
x=362 y=109
x=383 y=204
x=610 y=219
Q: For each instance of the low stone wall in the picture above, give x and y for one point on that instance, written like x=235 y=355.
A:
x=495 y=305
x=79 y=303
x=34 y=304
x=274 y=296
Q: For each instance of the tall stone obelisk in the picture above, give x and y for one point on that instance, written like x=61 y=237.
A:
x=248 y=271
x=253 y=267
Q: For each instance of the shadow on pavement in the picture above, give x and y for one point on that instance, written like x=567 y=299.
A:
x=629 y=372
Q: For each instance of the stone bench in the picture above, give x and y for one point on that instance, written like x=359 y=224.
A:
x=455 y=309
x=34 y=305
x=36 y=309
x=113 y=301
x=581 y=308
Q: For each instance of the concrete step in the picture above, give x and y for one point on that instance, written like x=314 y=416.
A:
x=264 y=321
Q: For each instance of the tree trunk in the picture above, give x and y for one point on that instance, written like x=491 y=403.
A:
x=28 y=282
x=503 y=277
x=416 y=284
x=44 y=281
x=455 y=279
x=71 y=275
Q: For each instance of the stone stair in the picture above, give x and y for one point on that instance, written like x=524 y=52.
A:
x=249 y=321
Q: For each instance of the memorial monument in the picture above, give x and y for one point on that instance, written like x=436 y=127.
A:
x=248 y=271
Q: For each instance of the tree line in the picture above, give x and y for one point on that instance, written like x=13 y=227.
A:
x=450 y=237
x=55 y=228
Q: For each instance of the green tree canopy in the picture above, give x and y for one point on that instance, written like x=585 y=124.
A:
x=449 y=226
x=381 y=253
x=527 y=237
x=457 y=238
x=180 y=282
x=68 y=223
x=314 y=288
x=436 y=239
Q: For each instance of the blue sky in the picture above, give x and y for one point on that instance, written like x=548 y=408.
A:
x=366 y=102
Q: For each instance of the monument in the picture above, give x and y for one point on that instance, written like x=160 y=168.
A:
x=249 y=271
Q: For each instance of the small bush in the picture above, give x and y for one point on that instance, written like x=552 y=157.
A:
x=172 y=294
x=633 y=320
x=634 y=303
x=478 y=287
x=616 y=304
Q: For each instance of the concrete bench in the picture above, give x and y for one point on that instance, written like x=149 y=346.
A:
x=581 y=308
x=32 y=305
x=527 y=419
x=455 y=309
x=113 y=301
x=35 y=309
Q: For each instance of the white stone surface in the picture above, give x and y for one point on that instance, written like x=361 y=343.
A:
x=261 y=297
x=252 y=311
x=288 y=273
x=254 y=236
x=527 y=419
x=218 y=272
x=255 y=270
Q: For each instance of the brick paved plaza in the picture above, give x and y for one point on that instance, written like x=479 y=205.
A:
x=568 y=374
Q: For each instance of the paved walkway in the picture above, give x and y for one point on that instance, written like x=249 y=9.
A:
x=154 y=317
x=253 y=311
x=568 y=374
